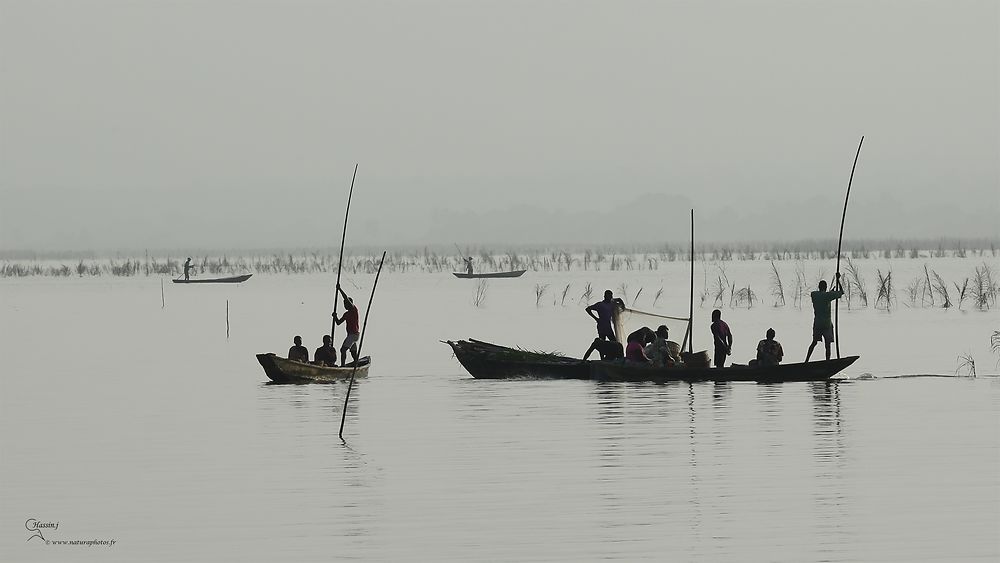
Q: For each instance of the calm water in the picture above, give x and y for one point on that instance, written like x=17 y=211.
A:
x=124 y=420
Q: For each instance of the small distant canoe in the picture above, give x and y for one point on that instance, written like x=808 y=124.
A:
x=282 y=370
x=513 y=274
x=489 y=361
x=233 y=279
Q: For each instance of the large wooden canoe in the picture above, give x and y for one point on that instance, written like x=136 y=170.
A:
x=231 y=279
x=282 y=370
x=466 y=276
x=489 y=361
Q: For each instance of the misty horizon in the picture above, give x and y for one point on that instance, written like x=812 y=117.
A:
x=237 y=125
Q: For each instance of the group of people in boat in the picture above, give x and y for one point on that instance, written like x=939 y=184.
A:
x=326 y=355
x=655 y=348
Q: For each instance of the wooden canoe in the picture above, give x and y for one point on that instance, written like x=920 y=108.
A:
x=489 y=361
x=232 y=279
x=282 y=370
x=466 y=276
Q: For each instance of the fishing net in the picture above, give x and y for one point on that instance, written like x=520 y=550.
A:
x=628 y=320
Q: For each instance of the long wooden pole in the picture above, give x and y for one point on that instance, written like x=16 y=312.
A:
x=840 y=240
x=691 y=303
x=361 y=343
x=340 y=260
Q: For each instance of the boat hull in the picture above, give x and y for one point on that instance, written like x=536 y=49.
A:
x=282 y=370
x=489 y=361
x=233 y=279
x=466 y=276
x=630 y=371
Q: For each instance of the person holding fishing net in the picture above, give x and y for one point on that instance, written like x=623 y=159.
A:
x=603 y=312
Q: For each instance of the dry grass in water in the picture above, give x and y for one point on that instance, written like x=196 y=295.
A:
x=479 y=299
x=966 y=365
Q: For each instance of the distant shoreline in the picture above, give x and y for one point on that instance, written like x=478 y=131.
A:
x=940 y=244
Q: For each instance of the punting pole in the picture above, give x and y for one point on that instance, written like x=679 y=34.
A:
x=361 y=343
x=691 y=304
x=340 y=260
x=840 y=240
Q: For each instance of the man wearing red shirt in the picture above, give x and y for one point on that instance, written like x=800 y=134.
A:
x=353 y=329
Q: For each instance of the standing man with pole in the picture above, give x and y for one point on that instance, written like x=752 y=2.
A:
x=353 y=329
x=822 y=326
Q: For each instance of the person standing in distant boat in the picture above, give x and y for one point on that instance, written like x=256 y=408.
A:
x=326 y=355
x=298 y=352
x=603 y=312
x=722 y=337
x=187 y=269
x=822 y=325
x=468 y=265
x=350 y=316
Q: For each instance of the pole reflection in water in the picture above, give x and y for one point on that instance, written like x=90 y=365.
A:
x=831 y=493
x=694 y=479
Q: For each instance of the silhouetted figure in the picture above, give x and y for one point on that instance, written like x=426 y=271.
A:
x=605 y=311
x=298 y=352
x=607 y=349
x=350 y=316
x=468 y=264
x=659 y=351
x=822 y=324
x=722 y=337
x=187 y=269
x=326 y=355
x=635 y=350
x=769 y=352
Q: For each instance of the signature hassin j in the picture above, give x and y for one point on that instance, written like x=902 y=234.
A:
x=36 y=526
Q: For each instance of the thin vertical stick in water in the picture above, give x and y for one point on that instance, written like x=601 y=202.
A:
x=340 y=261
x=163 y=300
x=361 y=343
x=840 y=240
x=691 y=303
x=227 y=319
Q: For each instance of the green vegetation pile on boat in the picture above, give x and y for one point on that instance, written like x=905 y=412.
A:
x=490 y=361
x=512 y=274
x=282 y=370
x=232 y=279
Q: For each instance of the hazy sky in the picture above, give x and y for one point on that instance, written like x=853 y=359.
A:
x=211 y=124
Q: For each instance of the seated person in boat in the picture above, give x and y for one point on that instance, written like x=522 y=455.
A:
x=637 y=341
x=353 y=329
x=662 y=352
x=607 y=349
x=298 y=352
x=605 y=311
x=326 y=355
x=769 y=352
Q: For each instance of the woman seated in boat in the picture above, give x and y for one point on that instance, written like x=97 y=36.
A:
x=326 y=355
x=298 y=352
x=637 y=341
x=662 y=352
